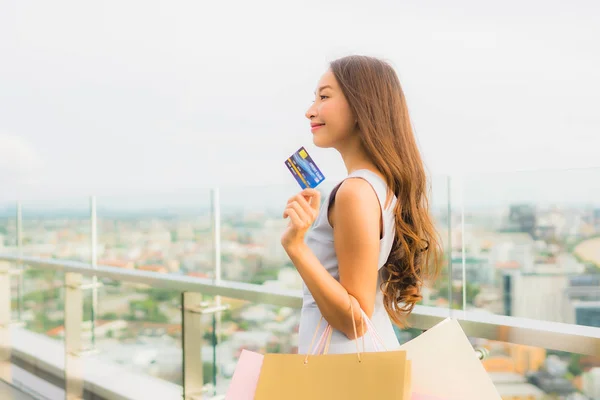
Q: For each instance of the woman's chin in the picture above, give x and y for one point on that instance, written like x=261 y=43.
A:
x=319 y=142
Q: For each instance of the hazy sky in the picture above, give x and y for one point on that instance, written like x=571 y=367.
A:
x=119 y=97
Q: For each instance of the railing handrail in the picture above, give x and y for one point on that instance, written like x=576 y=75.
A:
x=546 y=334
x=206 y=286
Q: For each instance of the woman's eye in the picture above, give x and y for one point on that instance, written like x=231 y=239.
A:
x=323 y=97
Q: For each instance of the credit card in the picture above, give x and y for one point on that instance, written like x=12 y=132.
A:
x=304 y=169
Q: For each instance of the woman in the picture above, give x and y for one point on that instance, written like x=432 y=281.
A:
x=373 y=242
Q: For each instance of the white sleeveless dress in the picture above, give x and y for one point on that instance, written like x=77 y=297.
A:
x=320 y=240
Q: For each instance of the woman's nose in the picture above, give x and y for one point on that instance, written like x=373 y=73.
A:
x=311 y=112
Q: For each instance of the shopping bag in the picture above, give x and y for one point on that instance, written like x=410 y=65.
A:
x=245 y=377
x=445 y=365
x=416 y=396
x=379 y=345
x=354 y=376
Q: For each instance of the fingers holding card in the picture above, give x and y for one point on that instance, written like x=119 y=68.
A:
x=302 y=209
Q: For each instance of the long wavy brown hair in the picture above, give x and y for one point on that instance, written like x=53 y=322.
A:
x=377 y=100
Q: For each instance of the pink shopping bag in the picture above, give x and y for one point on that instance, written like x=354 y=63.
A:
x=245 y=377
x=416 y=396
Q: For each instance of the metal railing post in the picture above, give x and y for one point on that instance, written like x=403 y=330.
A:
x=216 y=231
x=94 y=262
x=449 y=255
x=216 y=223
x=192 y=310
x=463 y=249
x=20 y=266
x=5 y=318
x=192 y=339
x=73 y=322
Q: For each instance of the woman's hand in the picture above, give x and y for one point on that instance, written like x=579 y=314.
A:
x=302 y=210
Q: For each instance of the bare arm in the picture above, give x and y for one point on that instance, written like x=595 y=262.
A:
x=355 y=219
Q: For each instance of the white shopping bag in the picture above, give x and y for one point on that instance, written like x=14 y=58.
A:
x=444 y=364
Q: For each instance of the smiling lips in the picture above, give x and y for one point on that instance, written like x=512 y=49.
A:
x=314 y=127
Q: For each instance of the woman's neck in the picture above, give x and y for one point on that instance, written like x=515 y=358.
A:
x=355 y=158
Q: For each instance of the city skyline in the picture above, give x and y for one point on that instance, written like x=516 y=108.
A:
x=561 y=188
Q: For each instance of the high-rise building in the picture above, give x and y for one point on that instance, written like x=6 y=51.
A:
x=540 y=296
x=596 y=217
x=522 y=218
x=587 y=313
x=591 y=383
x=583 y=294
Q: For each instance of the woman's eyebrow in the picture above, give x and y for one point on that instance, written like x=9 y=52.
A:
x=323 y=87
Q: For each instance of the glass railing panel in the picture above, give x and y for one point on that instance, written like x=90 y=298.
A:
x=531 y=245
x=441 y=204
x=43 y=302
x=532 y=372
x=57 y=229
x=166 y=233
x=8 y=228
x=251 y=229
x=60 y=229
x=138 y=329
x=261 y=328
x=41 y=321
x=528 y=372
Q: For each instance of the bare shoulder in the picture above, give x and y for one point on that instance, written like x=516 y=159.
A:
x=356 y=191
x=355 y=197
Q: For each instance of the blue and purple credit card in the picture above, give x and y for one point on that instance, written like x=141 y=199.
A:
x=304 y=169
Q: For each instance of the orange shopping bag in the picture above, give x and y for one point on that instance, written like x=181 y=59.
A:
x=354 y=376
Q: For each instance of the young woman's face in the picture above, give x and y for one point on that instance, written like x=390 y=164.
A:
x=331 y=119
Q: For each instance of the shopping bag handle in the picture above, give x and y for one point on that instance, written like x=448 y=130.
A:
x=375 y=338
x=378 y=343
x=325 y=338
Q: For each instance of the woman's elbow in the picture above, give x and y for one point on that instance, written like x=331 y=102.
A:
x=355 y=332
x=350 y=335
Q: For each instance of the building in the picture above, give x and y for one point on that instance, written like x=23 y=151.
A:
x=584 y=296
x=544 y=293
x=526 y=359
x=478 y=270
x=591 y=383
x=587 y=313
x=514 y=358
x=512 y=386
x=596 y=219
x=117 y=263
x=103 y=329
x=153 y=268
x=522 y=218
x=551 y=379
